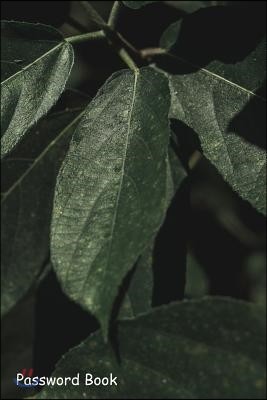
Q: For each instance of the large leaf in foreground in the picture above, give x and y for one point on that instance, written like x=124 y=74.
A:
x=28 y=183
x=223 y=102
x=210 y=348
x=110 y=195
x=35 y=62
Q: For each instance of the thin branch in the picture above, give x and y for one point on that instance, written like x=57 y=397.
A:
x=114 y=14
x=86 y=37
x=151 y=52
x=127 y=59
x=194 y=159
x=114 y=38
x=128 y=44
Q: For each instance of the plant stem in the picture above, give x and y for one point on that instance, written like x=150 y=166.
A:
x=127 y=44
x=114 y=38
x=194 y=158
x=97 y=35
x=127 y=59
x=114 y=14
x=151 y=52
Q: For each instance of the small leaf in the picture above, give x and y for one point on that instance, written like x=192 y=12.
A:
x=170 y=35
x=36 y=63
x=28 y=183
x=138 y=297
x=110 y=195
x=135 y=5
x=210 y=348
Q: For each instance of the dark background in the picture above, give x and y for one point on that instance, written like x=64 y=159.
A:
x=226 y=254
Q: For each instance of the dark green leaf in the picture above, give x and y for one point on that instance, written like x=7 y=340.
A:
x=169 y=37
x=205 y=349
x=28 y=183
x=110 y=195
x=36 y=63
x=223 y=104
x=135 y=5
x=138 y=297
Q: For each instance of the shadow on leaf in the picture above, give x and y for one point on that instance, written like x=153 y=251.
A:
x=225 y=34
x=250 y=123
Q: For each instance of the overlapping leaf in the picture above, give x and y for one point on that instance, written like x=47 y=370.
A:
x=223 y=103
x=135 y=5
x=28 y=183
x=210 y=348
x=36 y=63
x=110 y=195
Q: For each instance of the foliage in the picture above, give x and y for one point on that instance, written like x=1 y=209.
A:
x=100 y=190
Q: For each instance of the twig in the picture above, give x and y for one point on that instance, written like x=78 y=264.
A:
x=151 y=52
x=128 y=44
x=114 y=14
x=127 y=59
x=113 y=37
x=97 y=35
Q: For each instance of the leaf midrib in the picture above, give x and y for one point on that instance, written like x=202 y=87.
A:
x=36 y=161
x=214 y=75
x=22 y=70
x=136 y=74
